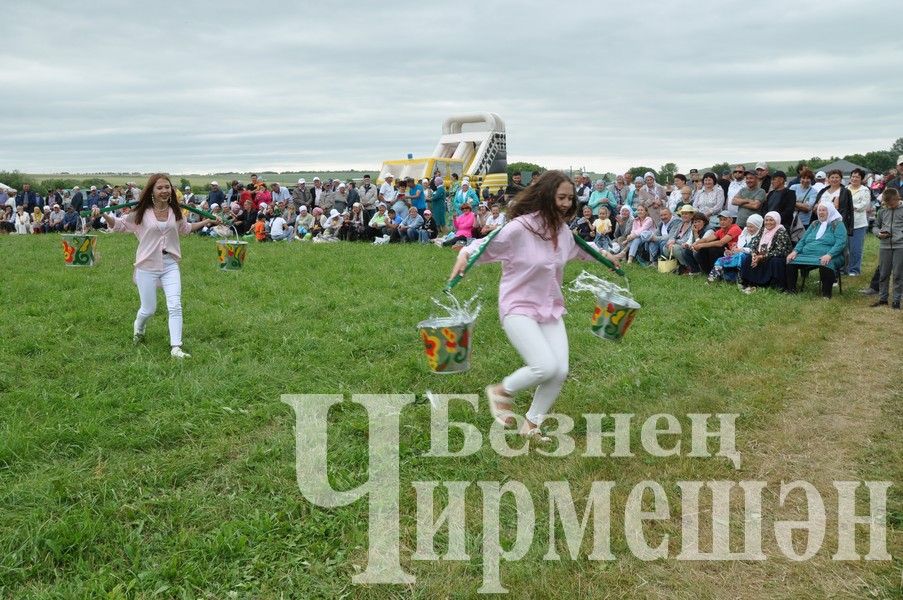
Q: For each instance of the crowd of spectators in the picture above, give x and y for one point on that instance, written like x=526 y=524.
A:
x=752 y=227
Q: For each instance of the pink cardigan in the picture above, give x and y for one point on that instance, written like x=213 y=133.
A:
x=153 y=237
x=532 y=268
x=464 y=224
x=642 y=226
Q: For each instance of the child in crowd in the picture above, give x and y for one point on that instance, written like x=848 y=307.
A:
x=602 y=228
x=260 y=228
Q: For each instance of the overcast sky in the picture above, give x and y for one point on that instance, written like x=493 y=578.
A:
x=191 y=87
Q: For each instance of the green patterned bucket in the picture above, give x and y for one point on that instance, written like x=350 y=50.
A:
x=613 y=315
x=78 y=249
x=447 y=343
x=231 y=254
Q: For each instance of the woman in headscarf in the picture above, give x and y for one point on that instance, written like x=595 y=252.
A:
x=438 y=202
x=822 y=247
x=766 y=264
x=728 y=266
x=623 y=226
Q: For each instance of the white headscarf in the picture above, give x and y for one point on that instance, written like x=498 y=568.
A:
x=833 y=215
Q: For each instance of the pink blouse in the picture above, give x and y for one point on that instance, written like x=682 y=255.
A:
x=642 y=226
x=532 y=268
x=154 y=237
x=464 y=224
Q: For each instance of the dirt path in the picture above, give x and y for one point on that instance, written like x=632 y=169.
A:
x=819 y=437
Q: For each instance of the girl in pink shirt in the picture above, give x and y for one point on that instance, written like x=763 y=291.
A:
x=157 y=222
x=533 y=247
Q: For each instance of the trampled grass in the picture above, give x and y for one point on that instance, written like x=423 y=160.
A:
x=127 y=474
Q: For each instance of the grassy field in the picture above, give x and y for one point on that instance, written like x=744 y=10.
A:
x=127 y=474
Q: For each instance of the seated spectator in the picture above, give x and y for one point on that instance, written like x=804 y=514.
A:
x=725 y=237
x=480 y=219
x=463 y=227
x=640 y=232
x=623 y=226
x=664 y=232
x=23 y=221
x=430 y=229
x=728 y=266
x=683 y=251
x=8 y=222
x=259 y=228
x=685 y=199
x=378 y=225
x=765 y=266
x=55 y=221
x=409 y=228
x=393 y=220
x=495 y=219
x=71 y=220
x=354 y=228
x=602 y=228
x=37 y=219
x=822 y=247
x=331 y=225
x=316 y=228
x=304 y=223
x=682 y=233
x=279 y=229
x=584 y=225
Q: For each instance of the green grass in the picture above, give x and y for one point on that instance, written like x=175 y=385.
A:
x=124 y=473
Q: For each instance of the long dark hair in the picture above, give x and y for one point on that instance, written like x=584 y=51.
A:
x=146 y=200
x=540 y=198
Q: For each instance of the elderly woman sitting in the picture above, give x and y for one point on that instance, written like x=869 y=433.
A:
x=765 y=265
x=822 y=247
x=623 y=226
x=728 y=266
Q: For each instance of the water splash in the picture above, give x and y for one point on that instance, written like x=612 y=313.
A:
x=600 y=288
x=456 y=311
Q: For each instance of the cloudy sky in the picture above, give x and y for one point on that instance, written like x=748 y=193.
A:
x=205 y=87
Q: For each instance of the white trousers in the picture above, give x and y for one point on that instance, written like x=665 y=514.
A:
x=171 y=281
x=544 y=347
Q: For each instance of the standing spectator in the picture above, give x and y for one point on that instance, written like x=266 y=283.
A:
x=515 y=187
x=216 y=195
x=584 y=189
x=805 y=200
x=368 y=194
x=340 y=198
x=652 y=196
x=279 y=193
x=439 y=202
x=889 y=229
x=749 y=200
x=600 y=197
x=619 y=190
x=763 y=176
x=710 y=200
x=354 y=197
x=465 y=195
x=838 y=196
x=27 y=198
x=387 y=191
x=820 y=181
x=301 y=195
x=317 y=192
x=780 y=199
x=737 y=183
x=895 y=179
x=861 y=197
x=725 y=182
x=416 y=195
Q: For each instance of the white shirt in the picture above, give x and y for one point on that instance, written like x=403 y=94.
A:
x=732 y=190
x=674 y=199
x=282 y=194
x=388 y=192
x=494 y=221
x=277 y=226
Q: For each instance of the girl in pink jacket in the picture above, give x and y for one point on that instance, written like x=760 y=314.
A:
x=157 y=222
x=533 y=247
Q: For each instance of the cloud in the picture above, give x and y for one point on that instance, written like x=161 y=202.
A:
x=186 y=87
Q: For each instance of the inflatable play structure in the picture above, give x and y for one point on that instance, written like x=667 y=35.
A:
x=472 y=146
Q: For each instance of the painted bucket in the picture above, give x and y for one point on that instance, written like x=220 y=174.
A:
x=613 y=315
x=231 y=254
x=78 y=249
x=447 y=343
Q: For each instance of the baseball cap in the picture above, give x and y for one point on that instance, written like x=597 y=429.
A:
x=821 y=175
x=725 y=213
x=761 y=165
x=900 y=160
x=213 y=183
x=780 y=174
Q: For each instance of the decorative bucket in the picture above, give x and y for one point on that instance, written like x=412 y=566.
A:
x=613 y=315
x=447 y=343
x=78 y=249
x=231 y=254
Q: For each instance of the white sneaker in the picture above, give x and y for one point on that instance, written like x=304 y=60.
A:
x=177 y=352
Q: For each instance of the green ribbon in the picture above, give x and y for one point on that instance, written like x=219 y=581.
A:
x=472 y=260
x=592 y=251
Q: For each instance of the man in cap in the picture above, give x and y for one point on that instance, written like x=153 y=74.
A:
x=78 y=199
x=780 y=199
x=92 y=197
x=706 y=251
x=820 y=182
x=763 y=176
x=387 y=190
x=316 y=194
x=584 y=189
x=368 y=198
x=301 y=194
x=56 y=219
x=897 y=182
x=216 y=195
x=737 y=183
x=189 y=195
